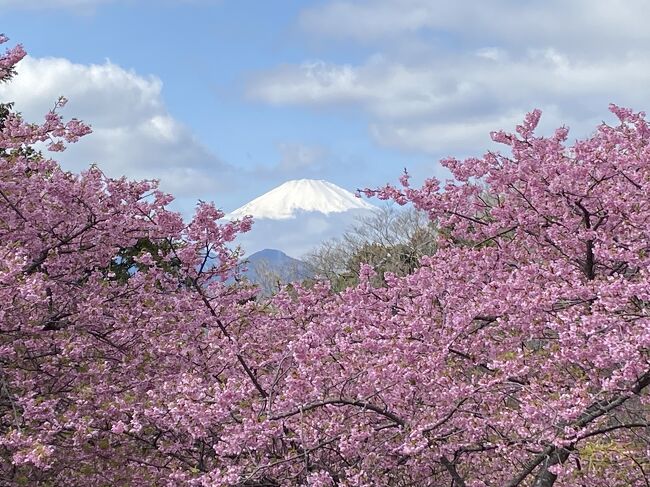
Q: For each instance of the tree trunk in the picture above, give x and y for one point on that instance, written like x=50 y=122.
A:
x=546 y=478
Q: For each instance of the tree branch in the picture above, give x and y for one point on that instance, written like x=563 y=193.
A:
x=595 y=411
x=342 y=402
x=457 y=480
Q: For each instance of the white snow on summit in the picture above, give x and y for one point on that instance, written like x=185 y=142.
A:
x=288 y=199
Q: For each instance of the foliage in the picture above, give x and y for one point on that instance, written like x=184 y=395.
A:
x=390 y=240
x=517 y=355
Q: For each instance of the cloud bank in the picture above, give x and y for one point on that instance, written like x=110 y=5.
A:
x=133 y=133
x=440 y=75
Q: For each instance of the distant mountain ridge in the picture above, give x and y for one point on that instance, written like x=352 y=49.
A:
x=270 y=267
x=301 y=195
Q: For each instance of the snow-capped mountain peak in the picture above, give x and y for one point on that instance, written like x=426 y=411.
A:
x=306 y=195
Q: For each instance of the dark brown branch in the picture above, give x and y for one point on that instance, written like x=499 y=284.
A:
x=602 y=431
x=223 y=329
x=600 y=408
x=494 y=237
x=447 y=416
x=589 y=266
x=593 y=412
x=342 y=402
x=546 y=478
x=457 y=480
x=13 y=206
x=475 y=220
x=530 y=466
x=35 y=264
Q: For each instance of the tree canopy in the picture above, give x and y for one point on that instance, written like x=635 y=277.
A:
x=390 y=240
x=517 y=355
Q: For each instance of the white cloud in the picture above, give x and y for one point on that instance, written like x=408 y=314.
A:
x=133 y=134
x=581 y=25
x=443 y=74
x=450 y=98
x=297 y=236
x=453 y=85
x=312 y=82
x=441 y=137
x=369 y=20
x=492 y=53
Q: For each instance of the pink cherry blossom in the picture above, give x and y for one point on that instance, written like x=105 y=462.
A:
x=516 y=355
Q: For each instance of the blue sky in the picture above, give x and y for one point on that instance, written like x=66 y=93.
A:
x=224 y=100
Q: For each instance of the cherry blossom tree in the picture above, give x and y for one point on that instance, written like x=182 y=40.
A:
x=107 y=377
x=518 y=354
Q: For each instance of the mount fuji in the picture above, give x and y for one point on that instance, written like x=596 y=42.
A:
x=298 y=215
x=302 y=195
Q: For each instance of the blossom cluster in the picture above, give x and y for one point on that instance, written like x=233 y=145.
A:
x=517 y=354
